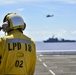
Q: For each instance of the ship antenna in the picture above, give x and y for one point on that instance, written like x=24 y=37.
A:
x=53 y=36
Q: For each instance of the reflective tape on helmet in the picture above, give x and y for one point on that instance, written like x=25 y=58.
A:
x=18 y=40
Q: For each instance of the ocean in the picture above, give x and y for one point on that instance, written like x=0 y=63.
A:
x=46 y=47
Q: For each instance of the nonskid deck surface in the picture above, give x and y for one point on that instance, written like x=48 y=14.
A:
x=55 y=64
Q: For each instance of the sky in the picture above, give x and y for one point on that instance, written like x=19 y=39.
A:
x=38 y=26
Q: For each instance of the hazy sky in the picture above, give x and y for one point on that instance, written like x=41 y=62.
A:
x=39 y=27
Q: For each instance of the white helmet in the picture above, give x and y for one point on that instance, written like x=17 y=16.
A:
x=13 y=21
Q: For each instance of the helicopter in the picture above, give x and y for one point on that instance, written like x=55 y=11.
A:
x=49 y=15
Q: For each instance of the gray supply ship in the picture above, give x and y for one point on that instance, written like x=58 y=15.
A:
x=53 y=39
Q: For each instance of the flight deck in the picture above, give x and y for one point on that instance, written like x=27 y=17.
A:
x=48 y=64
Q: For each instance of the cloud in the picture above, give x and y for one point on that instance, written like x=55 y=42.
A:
x=20 y=9
x=61 y=33
x=68 y=1
x=11 y=1
x=6 y=2
x=16 y=1
x=41 y=35
x=58 y=33
x=73 y=32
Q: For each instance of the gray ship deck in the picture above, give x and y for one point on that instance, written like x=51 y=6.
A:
x=55 y=64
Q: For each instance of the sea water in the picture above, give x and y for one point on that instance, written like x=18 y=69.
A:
x=63 y=46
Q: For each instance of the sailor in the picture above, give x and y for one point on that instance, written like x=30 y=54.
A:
x=17 y=51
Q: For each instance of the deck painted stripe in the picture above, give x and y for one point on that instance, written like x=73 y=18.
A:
x=46 y=66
